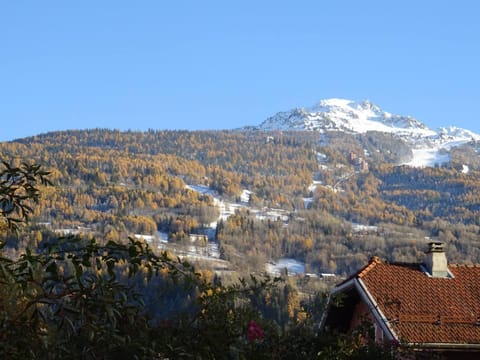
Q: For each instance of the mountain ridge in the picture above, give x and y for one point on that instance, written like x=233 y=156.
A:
x=353 y=117
x=350 y=115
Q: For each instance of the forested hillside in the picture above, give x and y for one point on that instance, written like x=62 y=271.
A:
x=112 y=184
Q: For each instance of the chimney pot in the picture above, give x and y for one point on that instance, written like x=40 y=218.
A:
x=436 y=260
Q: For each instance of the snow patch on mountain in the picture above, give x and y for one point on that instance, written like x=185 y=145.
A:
x=427 y=157
x=434 y=150
x=293 y=266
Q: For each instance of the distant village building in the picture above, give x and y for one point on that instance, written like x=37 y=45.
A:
x=198 y=238
x=429 y=310
x=78 y=230
x=358 y=162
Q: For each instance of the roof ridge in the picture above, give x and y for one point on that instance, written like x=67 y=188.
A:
x=457 y=265
x=371 y=264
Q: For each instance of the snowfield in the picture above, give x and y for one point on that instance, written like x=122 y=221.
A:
x=427 y=157
x=293 y=267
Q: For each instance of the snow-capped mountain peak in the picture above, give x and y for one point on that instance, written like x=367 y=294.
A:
x=344 y=115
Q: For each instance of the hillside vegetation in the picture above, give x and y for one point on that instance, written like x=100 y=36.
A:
x=112 y=184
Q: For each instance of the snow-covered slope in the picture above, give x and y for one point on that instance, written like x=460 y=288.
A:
x=428 y=146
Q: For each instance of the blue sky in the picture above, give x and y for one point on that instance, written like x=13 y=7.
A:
x=226 y=64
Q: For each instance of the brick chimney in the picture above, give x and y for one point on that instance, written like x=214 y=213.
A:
x=436 y=260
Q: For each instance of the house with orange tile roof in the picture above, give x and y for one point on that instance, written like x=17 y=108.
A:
x=432 y=307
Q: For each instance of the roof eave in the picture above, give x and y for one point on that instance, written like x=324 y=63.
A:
x=376 y=311
x=365 y=295
x=442 y=346
x=337 y=290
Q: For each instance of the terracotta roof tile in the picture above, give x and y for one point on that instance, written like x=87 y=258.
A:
x=423 y=309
